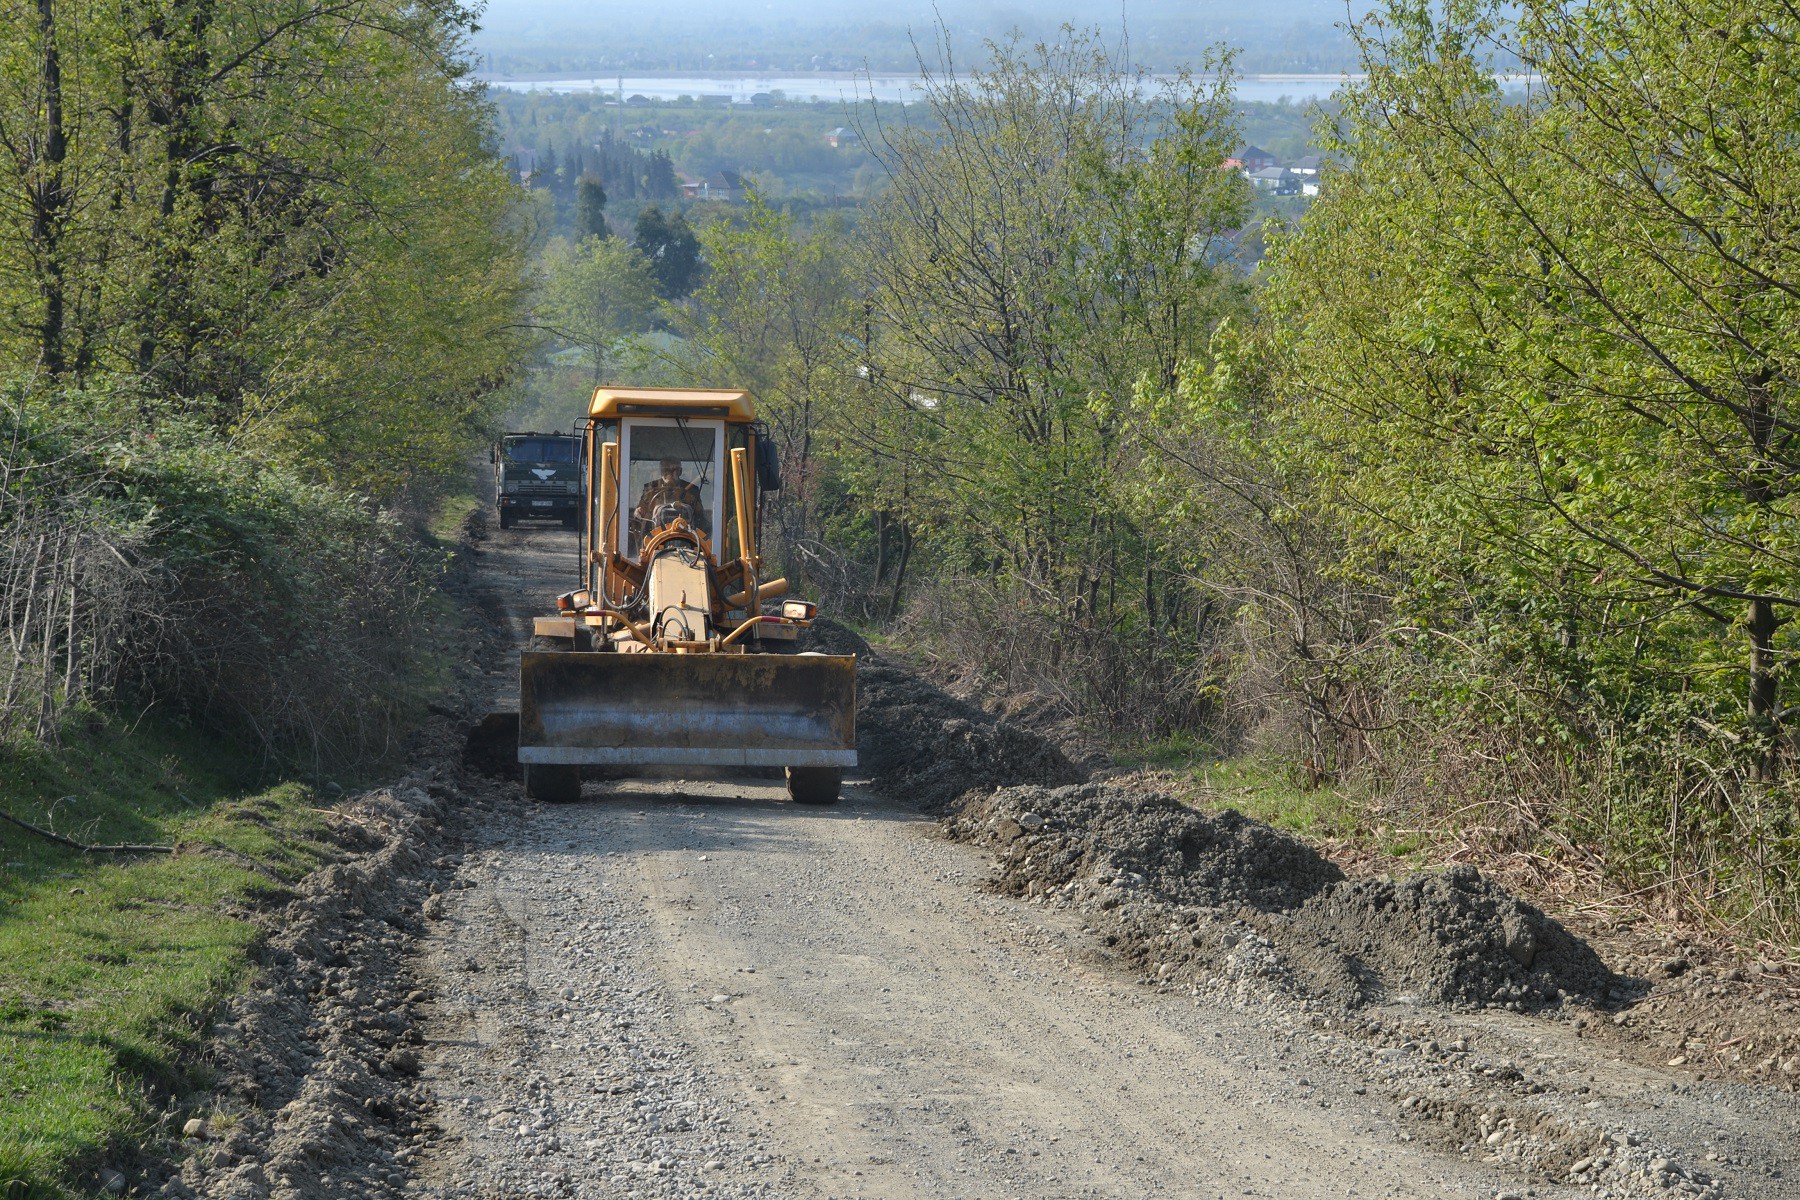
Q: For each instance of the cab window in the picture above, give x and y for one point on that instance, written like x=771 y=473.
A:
x=670 y=470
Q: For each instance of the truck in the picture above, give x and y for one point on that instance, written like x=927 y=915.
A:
x=674 y=648
x=537 y=477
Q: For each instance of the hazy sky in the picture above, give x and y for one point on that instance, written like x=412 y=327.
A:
x=643 y=16
x=529 y=38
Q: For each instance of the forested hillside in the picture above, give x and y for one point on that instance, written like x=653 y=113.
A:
x=1473 y=504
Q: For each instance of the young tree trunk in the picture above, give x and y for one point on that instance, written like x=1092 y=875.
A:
x=881 y=539
x=900 y=571
x=50 y=201
x=72 y=646
x=1764 y=688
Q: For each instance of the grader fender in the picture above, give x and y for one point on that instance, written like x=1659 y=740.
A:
x=751 y=710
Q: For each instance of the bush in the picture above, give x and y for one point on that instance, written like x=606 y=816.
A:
x=153 y=564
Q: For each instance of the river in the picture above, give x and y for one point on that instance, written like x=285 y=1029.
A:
x=853 y=86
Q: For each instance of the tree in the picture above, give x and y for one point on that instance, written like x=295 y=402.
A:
x=659 y=178
x=672 y=249
x=198 y=196
x=1045 y=239
x=1547 y=350
x=773 y=316
x=590 y=208
x=597 y=293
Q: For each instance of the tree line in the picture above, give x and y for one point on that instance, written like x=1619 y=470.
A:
x=260 y=290
x=1477 y=496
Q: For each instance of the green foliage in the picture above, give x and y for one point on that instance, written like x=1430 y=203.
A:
x=1046 y=240
x=1519 y=405
x=671 y=248
x=596 y=293
x=1009 y=320
x=773 y=315
x=240 y=594
x=280 y=217
x=1578 y=322
x=590 y=208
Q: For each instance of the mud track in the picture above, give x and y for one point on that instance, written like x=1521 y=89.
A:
x=682 y=988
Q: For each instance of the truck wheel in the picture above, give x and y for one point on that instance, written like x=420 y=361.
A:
x=506 y=520
x=814 y=785
x=553 y=784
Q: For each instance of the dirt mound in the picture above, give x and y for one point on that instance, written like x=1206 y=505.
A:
x=1137 y=838
x=921 y=744
x=1222 y=901
x=1456 y=938
x=828 y=637
x=492 y=746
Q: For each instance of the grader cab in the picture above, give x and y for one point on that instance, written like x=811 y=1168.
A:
x=667 y=656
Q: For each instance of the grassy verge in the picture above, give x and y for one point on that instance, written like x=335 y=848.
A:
x=111 y=966
x=1330 y=814
x=446 y=523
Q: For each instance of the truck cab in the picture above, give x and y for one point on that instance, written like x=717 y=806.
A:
x=537 y=477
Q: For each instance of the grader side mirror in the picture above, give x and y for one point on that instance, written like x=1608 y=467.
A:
x=768 y=465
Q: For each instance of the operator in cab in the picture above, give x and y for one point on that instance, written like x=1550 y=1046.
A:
x=670 y=488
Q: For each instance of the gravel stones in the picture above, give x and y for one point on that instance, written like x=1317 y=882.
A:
x=561 y=1069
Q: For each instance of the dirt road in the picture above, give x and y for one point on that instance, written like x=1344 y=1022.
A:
x=693 y=988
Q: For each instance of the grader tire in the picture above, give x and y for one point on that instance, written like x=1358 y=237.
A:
x=552 y=784
x=814 y=785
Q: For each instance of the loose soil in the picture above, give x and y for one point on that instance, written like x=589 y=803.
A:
x=1055 y=988
x=1203 y=897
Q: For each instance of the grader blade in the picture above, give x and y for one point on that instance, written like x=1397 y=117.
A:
x=747 y=710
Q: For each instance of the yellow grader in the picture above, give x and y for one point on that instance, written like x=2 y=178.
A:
x=665 y=654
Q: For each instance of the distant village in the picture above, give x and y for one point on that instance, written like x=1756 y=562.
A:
x=1298 y=178
x=1265 y=173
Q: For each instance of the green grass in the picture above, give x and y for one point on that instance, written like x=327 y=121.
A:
x=111 y=966
x=446 y=524
x=1272 y=793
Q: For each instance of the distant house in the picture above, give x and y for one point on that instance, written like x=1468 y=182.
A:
x=1278 y=181
x=841 y=138
x=762 y=100
x=1250 y=160
x=1308 y=166
x=636 y=100
x=715 y=100
x=720 y=185
x=1309 y=187
x=524 y=163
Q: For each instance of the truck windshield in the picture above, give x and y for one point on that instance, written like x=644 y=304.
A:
x=540 y=450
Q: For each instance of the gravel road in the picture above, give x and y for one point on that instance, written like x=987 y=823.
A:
x=693 y=988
